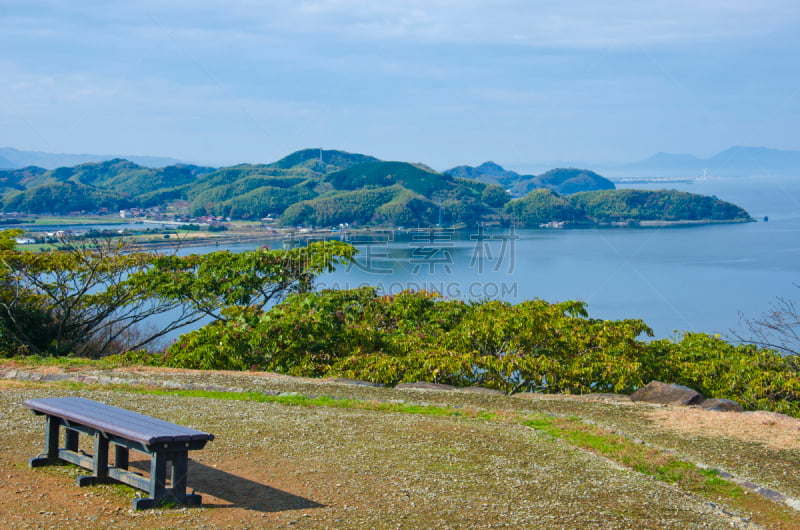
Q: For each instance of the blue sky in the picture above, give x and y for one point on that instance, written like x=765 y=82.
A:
x=443 y=82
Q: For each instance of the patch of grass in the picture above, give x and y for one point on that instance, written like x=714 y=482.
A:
x=320 y=401
x=664 y=467
x=37 y=247
x=713 y=484
x=121 y=490
x=74 y=220
x=607 y=445
x=645 y=460
x=167 y=503
x=105 y=363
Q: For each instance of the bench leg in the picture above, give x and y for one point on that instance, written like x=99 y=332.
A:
x=180 y=470
x=99 y=464
x=51 y=438
x=158 y=482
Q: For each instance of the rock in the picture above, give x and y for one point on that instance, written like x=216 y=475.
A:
x=771 y=494
x=346 y=381
x=480 y=390
x=667 y=394
x=606 y=396
x=422 y=385
x=721 y=405
x=55 y=377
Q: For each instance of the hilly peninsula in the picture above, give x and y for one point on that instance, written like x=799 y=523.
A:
x=329 y=188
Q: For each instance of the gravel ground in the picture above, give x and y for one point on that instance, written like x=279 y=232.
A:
x=275 y=465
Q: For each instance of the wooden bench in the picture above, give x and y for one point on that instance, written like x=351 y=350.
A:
x=125 y=429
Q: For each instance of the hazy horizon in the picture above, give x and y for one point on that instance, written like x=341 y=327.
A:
x=440 y=82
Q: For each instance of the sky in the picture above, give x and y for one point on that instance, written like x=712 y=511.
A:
x=443 y=82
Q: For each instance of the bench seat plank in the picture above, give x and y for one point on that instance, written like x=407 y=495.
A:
x=116 y=421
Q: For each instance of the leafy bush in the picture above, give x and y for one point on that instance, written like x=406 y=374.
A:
x=756 y=378
x=534 y=346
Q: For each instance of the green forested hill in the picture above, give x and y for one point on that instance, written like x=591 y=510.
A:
x=544 y=206
x=316 y=187
x=390 y=205
x=398 y=194
x=662 y=205
x=322 y=161
x=620 y=206
x=564 y=181
x=64 y=197
x=18 y=179
x=112 y=184
x=381 y=174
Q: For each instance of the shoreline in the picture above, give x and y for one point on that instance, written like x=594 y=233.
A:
x=238 y=235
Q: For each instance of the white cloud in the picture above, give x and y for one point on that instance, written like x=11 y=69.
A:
x=573 y=24
x=547 y=23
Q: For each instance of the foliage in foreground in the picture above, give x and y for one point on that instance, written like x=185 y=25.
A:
x=533 y=346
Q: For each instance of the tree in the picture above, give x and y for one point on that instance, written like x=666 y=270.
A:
x=209 y=283
x=495 y=196
x=8 y=238
x=777 y=329
x=80 y=300
x=7 y=243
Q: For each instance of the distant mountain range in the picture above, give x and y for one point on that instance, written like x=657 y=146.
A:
x=11 y=158
x=735 y=161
